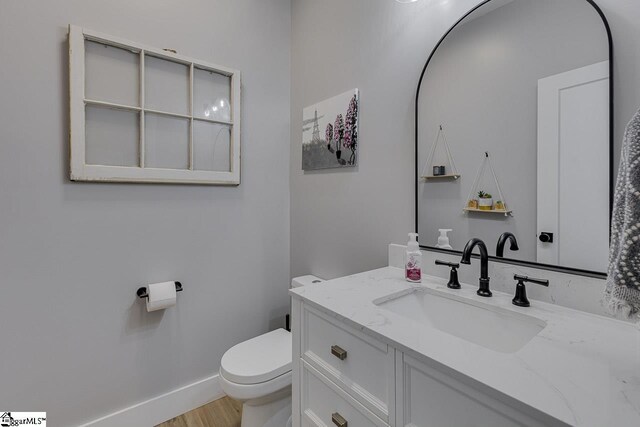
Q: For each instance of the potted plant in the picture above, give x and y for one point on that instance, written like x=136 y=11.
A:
x=500 y=206
x=485 y=201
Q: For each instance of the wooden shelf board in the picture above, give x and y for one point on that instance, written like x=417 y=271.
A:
x=493 y=211
x=454 y=176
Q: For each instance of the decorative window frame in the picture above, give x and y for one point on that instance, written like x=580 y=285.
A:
x=81 y=171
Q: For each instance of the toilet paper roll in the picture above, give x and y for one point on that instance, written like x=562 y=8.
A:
x=161 y=295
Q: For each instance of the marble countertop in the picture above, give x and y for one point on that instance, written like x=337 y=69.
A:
x=581 y=369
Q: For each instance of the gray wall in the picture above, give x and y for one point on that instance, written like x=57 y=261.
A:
x=341 y=221
x=482 y=85
x=75 y=341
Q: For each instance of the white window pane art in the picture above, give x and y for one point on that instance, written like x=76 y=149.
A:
x=112 y=74
x=166 y=142
x=211 y=93
x=211 y=146
x=112 y=136
x=142 y=114
x=166 y=85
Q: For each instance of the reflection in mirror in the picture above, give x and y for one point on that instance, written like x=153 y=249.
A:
x=513 y=120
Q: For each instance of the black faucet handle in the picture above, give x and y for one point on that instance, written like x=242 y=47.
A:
x=528 y=279
x=448 y=264
x=520 y=299
x=453 y=275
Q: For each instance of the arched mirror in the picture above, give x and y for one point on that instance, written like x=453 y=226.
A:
x=513 y=135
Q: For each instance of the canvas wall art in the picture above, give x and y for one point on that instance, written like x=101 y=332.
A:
x=330 y=133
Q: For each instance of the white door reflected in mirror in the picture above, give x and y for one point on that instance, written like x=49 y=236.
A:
x=573 y=120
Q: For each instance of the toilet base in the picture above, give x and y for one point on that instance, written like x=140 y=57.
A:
x=271 y=411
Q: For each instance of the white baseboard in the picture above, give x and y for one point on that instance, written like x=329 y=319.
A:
x=164 y=407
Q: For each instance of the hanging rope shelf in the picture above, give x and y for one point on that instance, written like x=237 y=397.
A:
x=484 y=201
x=431 y=172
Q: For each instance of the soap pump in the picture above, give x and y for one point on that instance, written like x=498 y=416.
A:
x=443 y=239
x=413 y=260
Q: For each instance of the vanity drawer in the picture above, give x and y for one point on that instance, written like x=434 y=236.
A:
x=357 y=363
x=326 y=405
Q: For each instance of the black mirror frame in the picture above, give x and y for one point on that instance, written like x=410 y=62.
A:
x=549 y=267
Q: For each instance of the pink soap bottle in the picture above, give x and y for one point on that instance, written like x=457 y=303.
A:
x=413 y=260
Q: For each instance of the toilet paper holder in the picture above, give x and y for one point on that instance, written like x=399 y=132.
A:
x=142 y=292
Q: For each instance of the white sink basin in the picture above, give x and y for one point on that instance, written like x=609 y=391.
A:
x=491 y=327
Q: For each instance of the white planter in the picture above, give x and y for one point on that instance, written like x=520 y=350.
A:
x=485 y=204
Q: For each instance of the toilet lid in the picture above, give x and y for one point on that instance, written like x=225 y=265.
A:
x=259 y=359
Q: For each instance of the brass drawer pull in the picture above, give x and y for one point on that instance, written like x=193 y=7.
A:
x=338 y=352
x=338 y=420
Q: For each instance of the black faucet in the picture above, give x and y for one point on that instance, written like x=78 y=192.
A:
x=483 y=290
x=521 y=299
x=503 y=240
x=453 y=275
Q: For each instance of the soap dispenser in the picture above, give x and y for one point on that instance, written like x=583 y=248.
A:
x=443 y=239
x=413 y=260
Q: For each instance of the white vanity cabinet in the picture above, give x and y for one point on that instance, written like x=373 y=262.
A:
x=343 y=377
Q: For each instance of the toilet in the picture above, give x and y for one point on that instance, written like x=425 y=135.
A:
x=257 y=373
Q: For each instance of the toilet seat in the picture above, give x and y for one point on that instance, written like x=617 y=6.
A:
x=246 y=392
x=259 y=360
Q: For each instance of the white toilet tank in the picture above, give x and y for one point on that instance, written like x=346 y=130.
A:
x=298 y=282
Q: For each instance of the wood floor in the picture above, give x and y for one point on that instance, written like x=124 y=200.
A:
x=225 y=412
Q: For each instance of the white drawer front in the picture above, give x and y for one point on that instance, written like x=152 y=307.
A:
x=367 y=371
x=321 y=399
